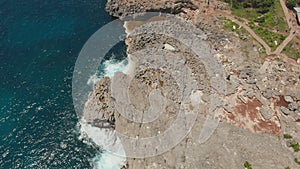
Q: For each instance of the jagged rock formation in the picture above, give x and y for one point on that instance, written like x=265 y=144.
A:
x=121 y=8
x=99 y=109
x=262 y=95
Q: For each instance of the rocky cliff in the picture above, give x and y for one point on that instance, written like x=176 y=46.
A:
x=261 y=102
x=121 y=8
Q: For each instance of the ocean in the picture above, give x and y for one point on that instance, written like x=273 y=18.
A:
x=39 y=44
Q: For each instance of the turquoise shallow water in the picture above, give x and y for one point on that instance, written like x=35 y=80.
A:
x=39 y=44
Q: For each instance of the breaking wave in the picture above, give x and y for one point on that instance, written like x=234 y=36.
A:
x=108 y=68
x=104 y=137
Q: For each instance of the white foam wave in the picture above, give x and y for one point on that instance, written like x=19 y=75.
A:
x=93 y=79
x=106 y=160
x=110 y=68
x=113 y=66
x=105 y=139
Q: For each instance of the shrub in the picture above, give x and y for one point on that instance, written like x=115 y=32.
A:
x=287 y=136
x=295 y=146
x=247 y=165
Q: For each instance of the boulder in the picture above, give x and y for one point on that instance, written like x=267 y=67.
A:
x=266 y=112
x=268 y=93
x=227 y=108
x=232 y=85
x=243 y=98
x=288 y=99
x=293 y=106
x=285 y=110
x=169 y=47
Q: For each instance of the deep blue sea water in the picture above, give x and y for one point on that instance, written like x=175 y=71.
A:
x=39 y=43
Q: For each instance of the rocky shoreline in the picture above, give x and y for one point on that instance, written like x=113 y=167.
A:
x=121 y=8
x=261 y=103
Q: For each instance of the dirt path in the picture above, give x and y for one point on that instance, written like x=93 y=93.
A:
x=292 y=34
x=251 y=32
x=285 y=42
x=292 y=27
x=286 y=13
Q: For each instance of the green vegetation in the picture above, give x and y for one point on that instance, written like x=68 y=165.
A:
x=247 y=165
x=267 y=13
x=265 y=17
x=297 y=161
x=287 y=136
x=287 y=168
x=274 y=19
x=228 y=24
x=291 y=52
x=261 y=50
x=263 y=55
x=261 y=6
x=295 y=146
x=232 y=26
x=267 y=36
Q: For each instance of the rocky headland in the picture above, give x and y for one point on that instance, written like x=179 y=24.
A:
x=261 y=102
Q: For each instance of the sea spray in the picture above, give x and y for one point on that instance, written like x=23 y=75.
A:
x=100 y=137
x=106 y=160
x=103 y=138
x=108 y=68
x=113 y=66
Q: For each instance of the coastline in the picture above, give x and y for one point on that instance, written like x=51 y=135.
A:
x=248 y=111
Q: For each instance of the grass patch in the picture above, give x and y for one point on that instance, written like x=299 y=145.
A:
x=267 y=22
x=263 y=55
x=287 y=136
x=232 y=26
x=291 y=52
x=274 y=19
x=228 y=24
x=267 y=36
x=248 y=13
